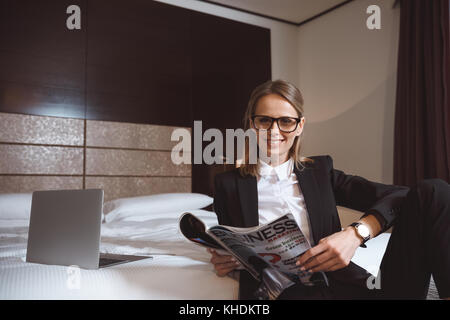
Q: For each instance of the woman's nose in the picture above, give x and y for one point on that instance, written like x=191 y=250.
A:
x=274 y=128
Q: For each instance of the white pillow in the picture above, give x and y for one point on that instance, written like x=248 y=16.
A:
x=15 y=205
x=156 y=203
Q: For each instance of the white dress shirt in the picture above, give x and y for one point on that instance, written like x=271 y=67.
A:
x=279 y=193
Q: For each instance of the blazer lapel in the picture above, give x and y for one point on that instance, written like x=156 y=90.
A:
x=248 y=197
x=311 y=194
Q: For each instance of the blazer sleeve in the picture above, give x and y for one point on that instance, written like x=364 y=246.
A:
x=381 y=200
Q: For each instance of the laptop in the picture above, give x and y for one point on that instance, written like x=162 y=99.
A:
x=65 y=230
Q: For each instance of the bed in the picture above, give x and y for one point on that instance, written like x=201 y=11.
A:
x=175 y=269
x=144 y=226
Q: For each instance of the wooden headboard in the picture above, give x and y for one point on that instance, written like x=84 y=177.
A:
x=124 y=159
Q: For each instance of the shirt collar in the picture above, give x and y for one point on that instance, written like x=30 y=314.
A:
x=282 y=171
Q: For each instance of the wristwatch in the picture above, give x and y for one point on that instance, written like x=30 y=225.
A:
x=362 y=231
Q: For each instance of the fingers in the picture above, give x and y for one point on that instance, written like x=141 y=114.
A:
x=223 y=264
x=222 y=259
x=316 y=261
x=218 y=258
x=314 y=251
x=224 y=272
x=330 y=265
x=225 y=268
x=332 y=253
x=324 y=262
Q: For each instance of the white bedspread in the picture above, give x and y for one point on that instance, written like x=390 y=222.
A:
x=179 y=270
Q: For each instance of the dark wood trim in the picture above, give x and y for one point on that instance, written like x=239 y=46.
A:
x=250 y=12
x=324 y=12
x=279 y=19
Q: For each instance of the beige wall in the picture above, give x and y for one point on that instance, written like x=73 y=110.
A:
x=347 y=74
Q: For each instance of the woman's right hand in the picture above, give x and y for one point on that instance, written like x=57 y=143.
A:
x=223 y=264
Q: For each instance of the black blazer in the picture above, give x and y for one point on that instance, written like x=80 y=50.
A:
x=323 y=187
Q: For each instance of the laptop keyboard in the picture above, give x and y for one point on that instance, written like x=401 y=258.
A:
x=108 y=261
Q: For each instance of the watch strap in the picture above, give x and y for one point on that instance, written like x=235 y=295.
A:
x=365 y=239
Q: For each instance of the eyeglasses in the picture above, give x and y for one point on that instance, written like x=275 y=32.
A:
x=285 y=124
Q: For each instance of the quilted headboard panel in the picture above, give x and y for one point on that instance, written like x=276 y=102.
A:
x=124 y=159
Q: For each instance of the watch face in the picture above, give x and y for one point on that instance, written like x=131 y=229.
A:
x=363 y=231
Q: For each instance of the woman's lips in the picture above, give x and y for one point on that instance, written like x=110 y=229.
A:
x=274 y=141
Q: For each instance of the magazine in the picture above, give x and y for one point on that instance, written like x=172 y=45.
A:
x=268 y=252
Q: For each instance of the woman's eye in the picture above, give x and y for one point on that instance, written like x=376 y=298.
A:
x=264 y=120
x=286 y=121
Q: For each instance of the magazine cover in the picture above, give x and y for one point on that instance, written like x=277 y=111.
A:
x=272 y=248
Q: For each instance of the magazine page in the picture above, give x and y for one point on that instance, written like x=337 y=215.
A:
x=277 y=245
x=195 y=230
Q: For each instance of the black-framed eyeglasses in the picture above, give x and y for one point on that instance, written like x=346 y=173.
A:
x=285 y=124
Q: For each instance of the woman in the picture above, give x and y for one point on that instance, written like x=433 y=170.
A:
x=310 y=188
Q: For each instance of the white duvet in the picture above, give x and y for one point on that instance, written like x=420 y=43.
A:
x=178 y=270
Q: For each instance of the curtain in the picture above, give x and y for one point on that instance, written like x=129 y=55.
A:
x=422 y=115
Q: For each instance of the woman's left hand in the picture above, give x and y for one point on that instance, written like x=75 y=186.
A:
x=332 y=253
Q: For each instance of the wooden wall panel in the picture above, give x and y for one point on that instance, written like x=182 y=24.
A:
x=229 y=59
x=139 y=62
x=42 y=63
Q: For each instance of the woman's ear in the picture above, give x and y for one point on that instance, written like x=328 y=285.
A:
x=300 y=127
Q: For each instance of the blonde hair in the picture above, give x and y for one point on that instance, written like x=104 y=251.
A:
x=293 y=95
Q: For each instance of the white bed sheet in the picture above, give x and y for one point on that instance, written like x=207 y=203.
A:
x=178 y=270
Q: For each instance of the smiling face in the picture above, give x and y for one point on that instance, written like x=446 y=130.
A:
x=273 y=141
